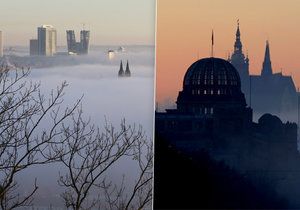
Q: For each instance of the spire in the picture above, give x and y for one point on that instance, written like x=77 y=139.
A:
x=121 y=71
x=127 y=71
x=238 y=44
x=267 y=66
x=238 y=34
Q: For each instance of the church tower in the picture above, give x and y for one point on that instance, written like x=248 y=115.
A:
x=127 y=71
x=240 y=62
x=121 y=71
x=267 y=66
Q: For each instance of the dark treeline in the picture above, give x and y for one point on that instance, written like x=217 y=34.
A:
x=202 y=183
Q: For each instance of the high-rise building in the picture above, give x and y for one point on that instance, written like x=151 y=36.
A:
x=84 y=41
x=46 y=40
x=81 y=47
x=33 y=46
x=1 y=45
x=71 y=41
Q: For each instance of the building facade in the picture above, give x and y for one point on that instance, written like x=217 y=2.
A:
x=81 y=47
x=47 y=40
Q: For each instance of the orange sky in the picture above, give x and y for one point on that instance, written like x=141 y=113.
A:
x=184 y=30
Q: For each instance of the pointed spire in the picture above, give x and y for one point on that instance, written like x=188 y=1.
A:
x=238 y=33
x=121 y=71
x=127 y=71
x=238 y=44
x=267 y=66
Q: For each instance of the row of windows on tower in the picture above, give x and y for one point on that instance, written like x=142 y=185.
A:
x=210 y=92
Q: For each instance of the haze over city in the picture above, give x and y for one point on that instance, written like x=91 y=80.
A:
x=113 y=22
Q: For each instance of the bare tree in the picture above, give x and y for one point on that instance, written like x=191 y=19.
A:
x=91 y=153
x=139 y=195
x=24 y=139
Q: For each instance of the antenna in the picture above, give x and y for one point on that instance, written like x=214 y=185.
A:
x=212 y=43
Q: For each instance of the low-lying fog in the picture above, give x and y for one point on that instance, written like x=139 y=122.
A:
x=104 y=95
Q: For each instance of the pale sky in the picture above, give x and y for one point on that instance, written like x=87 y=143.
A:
x=110 y=21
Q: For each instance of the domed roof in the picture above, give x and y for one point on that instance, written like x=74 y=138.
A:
x=210 y=72
x=270 y=120
x=211 y=81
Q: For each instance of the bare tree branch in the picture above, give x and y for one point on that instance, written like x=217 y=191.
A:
x=92 y=153
x=24 y=141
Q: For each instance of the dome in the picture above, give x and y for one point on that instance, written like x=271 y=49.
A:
x=270 y=121
x=210 y=72
x=211 y=81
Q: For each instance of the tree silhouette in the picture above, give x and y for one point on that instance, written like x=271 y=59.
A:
x=24 y=141
x=91 y=153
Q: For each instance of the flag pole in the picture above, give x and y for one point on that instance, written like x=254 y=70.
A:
x=212 y=43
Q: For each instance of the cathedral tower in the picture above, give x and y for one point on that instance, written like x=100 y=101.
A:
x=121 y=71
x=240 y=62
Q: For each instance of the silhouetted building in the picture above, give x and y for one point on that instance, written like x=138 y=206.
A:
x=240 y=62
x=81 y=47
x=269 y=91
x=212 y=116
x=210 y=103
x=46 y=40
x=33 y=47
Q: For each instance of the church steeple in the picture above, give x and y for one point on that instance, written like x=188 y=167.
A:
x=238 y=44
x=121 y=71
x=127 y=71
x=267 y=66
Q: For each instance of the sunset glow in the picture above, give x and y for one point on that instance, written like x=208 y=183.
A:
x=184 y=35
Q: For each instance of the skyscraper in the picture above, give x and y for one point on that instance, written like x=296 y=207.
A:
x=71 y=41
x=46 y=40
x=81 y=47
x=84 y=41
x=1 y=45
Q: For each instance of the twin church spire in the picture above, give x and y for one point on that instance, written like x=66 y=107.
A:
x=123 y=73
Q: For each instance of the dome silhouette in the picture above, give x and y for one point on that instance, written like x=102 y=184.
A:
x=211 y=81
x=212 y=72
